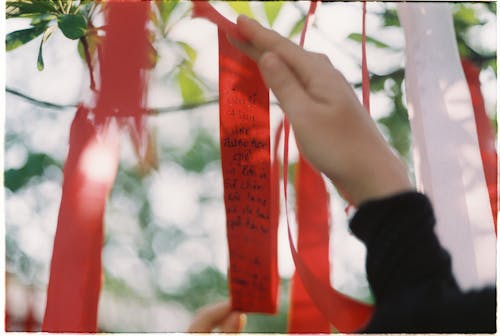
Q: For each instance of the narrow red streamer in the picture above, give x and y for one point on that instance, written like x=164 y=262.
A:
x=313 y=234
x=345 y=313
x=485 y=134
x=312 y=237
x=90 y=170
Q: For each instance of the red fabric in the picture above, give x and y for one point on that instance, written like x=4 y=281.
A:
x=75 y=274
x=246 y=169
x=313 y=246
x=346 y=314
x=485 y=134
x=202 y=9
x=90 y=170
x=312 y=237
x=275 y=210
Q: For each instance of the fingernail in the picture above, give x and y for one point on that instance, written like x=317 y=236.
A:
x=243 y=17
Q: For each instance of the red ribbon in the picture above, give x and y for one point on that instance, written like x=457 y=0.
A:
x=485 y=134
x=75 y=272
x=312 y=208
x=345 y=313
x=90 y=170
x=313 y=246
x=245 y=154
x=246 y=169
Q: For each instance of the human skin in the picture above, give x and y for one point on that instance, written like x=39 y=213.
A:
x=333 y=130
x=217 y=316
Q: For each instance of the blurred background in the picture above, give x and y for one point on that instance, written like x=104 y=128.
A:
x=165 y=252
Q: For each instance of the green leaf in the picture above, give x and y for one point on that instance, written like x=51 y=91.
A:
x=190 y=89
x=466 y=15
x=190 y=52
x=203 y=151
x=43 y=18
x=166 y=7
x=357 y=37
x=491 y=6
x=35 y=165
x=272 y=9
x=297 y=28
x=73 y=26
x=21 y=37
x=241 y=7
x=39 y=63
x=390 y=17
x=92 y=42
x=33 y=8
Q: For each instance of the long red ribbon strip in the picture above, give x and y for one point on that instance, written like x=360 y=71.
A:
x=345 y=313
x=75 y=274
x=312 y=213
x=90 y=170
x=246 y=170
x=485 y=134
x=312 y=209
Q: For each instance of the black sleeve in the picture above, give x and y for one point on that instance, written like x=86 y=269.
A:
x=410 y=273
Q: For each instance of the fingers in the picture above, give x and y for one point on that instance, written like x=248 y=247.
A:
x=210 y=317
x=262 y=40
x=234 y=323
x=246 y=48
x=283 y=82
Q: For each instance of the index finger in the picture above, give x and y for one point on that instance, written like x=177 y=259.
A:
x=263 y=40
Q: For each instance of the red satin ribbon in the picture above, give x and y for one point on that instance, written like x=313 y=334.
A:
x=312 y=208
x=202 y=9
x=246 y=169
x=345 y=313
x=252 y=214
x=313 y=245
x=75 y=272
x=485 y=134
x=90 y=170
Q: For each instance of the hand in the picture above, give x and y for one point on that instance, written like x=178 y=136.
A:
x=220 y=316
x=332 y=129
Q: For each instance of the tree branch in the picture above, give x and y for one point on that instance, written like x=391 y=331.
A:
x=151 y=111
x=38 y=102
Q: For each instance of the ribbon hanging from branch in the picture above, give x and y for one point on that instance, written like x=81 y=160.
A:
x=90 y=170
x=245 y=154
x=313 y=236
x=485 y=134
x=343 y=312
x=447 y=158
